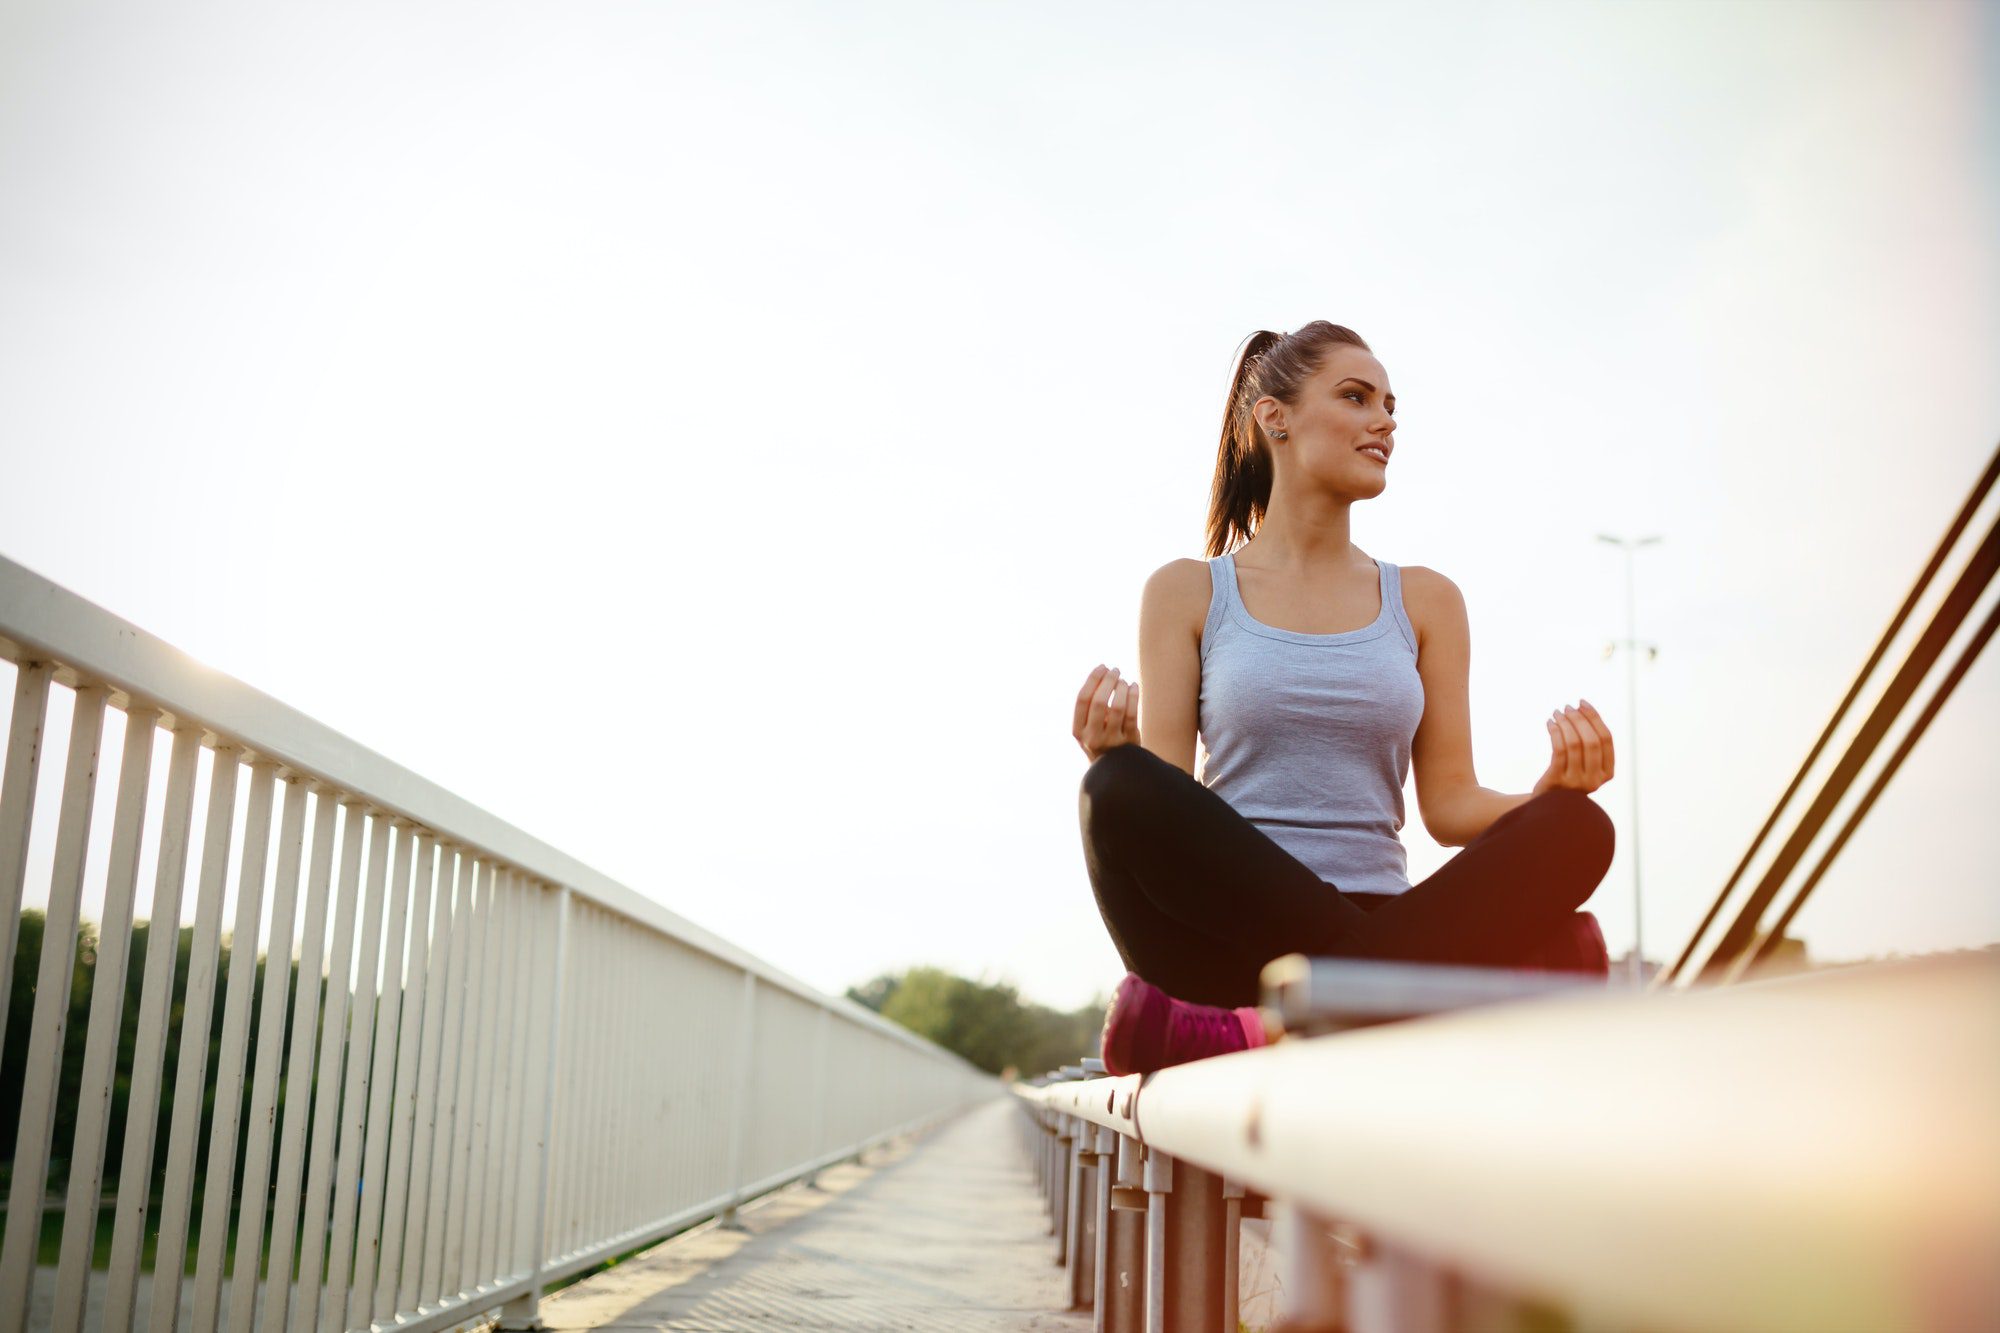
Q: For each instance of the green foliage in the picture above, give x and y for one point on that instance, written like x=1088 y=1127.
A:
x=988 y=1023
x=20 y=1012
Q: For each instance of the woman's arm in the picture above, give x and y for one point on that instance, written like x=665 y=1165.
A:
x=1456 y=809
x=1172 y=610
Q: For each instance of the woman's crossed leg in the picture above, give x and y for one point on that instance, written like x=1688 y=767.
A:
x=1197 y=899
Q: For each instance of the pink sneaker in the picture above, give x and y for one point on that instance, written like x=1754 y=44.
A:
x=1147 y=1029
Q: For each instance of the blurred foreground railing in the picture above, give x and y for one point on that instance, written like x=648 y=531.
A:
x=1817 y=1152
x=498 y=1068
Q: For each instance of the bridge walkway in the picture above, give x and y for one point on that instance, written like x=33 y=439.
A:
x=945 y=1231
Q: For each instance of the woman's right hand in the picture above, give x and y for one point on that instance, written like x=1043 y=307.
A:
x=1107 y=712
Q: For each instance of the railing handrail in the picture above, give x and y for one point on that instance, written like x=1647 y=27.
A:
x=42 y=621
x=1842 y=1118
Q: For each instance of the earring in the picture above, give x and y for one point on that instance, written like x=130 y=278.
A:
x=1278 y=434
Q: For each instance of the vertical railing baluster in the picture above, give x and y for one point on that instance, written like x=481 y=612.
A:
x=582 y=1159
x=524 y=1311
x=420 y=1228
x=451 y=1060
x=107 y=1011
x=191 y=1078
x=817 y=1145
x=600 y=1160
x=270 y=1048
x=617 y=1098
x=569 y=1048
x=276 y=1306
x=360 y=1066
x=574 y=1048
x=334 y=1060
x=560 y=1094
x=453 y=1272
x=17 y=810
x=412 y=1074
x=500 y=1163
x=218 y=1186
x=746 y=1032
x=637 y=1046
x=42 y=1077
x=493 y=920
x=526 y=1107
x=641 y=1044
x=382 y=1079
x=149 y=1051
x=540 y=1000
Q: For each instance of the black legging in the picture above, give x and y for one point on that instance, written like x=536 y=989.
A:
x=1198 y=899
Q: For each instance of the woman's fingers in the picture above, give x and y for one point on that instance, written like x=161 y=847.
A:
x=1580 y=746
x=1131 y=733
x=1569 y=751
x=1114 y=711
x=1604 y=736
x=1573 y=767
x=1089 y=701
x=1592 y=762
x=1095 y=732
x=1083 y=698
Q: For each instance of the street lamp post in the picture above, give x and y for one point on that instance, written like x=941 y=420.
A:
x=1631 y=746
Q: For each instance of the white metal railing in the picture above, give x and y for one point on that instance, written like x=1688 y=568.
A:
x=1812 y=1152
x=501 y=1067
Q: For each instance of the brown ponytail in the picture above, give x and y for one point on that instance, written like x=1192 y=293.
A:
x=1274 y=365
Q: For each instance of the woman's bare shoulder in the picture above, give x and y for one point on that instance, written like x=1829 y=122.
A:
x=1426 y=594
x=1179 y=590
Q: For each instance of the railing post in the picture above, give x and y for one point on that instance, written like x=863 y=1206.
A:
x=1050 y=1146
x=1121 y=1276
x=739 y=1129
x=1065 y=1156
x=1051 y=1153
x=1232 y=1254
x=1159 y=1184
x=17 y=809
x=1393 y=1290
x=1194 y=1250
x=1313 y=1295
x=1088 y=1192
x=525 y=1310
x=820 y=1061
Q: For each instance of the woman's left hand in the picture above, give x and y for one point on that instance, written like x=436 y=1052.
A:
x=1581 y=750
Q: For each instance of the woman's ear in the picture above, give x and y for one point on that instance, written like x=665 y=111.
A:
x=1270 y=417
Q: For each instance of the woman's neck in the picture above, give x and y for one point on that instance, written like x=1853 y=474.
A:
x=1303 y=533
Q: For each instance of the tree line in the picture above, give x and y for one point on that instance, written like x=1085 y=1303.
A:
x=987 y=1023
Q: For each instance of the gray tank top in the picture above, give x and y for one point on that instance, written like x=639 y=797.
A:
x=1308 y=735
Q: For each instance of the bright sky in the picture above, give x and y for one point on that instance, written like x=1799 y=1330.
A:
x=720 y=438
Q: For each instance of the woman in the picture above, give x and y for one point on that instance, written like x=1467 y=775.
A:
x=1314 y=675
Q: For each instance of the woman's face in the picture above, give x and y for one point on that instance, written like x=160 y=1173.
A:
x=1345 y=413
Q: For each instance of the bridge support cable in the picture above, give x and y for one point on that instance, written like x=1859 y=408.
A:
x=1769 y=937
x=1715 y=954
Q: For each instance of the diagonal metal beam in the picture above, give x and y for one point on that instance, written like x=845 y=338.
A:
x=1742 y=931
x=1768 y=939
